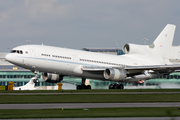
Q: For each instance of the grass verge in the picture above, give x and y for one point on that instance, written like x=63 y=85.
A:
x=90 y=113
x=89 y=98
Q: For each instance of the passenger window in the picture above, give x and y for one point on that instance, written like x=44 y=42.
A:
x=21 y=52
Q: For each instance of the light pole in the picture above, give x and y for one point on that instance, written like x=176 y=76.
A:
x=28 y=41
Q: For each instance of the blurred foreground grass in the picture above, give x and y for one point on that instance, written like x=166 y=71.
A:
x=90 y=98
x=90 y=113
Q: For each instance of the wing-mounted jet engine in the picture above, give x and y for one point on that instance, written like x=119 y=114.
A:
x=51 y=77
x=114 y=74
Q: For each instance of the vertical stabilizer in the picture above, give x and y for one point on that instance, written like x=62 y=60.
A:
x=163 y=42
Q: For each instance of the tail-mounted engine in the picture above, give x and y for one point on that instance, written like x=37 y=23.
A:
x=135 y=49
x=51 y=78
x=114 y=74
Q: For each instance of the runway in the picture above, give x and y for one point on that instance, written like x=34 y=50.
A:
x=86 y=105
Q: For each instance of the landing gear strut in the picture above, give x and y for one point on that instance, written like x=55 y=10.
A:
x=116 y=86
x=35 y=78
x=83 y=86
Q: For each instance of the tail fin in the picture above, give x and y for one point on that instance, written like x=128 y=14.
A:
x=163 y=42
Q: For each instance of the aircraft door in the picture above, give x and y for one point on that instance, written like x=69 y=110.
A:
x=75 y=58
x=32 y=53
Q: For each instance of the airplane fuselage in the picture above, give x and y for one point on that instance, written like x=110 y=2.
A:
x=69 y=62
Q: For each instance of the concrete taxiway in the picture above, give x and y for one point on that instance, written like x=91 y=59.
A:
x=86 y=105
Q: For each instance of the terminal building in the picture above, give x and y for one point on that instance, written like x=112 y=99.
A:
x=20 y=76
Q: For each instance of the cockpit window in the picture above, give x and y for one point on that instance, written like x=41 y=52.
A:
x=13 y=51
x=17 y=51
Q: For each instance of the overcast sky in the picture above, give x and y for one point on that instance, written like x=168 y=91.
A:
x=85 y=23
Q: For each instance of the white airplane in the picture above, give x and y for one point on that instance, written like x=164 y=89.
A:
x=140 y=62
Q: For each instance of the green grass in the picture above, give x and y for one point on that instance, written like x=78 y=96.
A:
x=89 y=98
x=90 y=113
x=92 y=91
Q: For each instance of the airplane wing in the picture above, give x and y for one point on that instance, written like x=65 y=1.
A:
x=138 y=68
x=131 y=73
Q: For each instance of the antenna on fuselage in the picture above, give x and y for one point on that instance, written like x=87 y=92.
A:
x=145 y=39
x=28 y=41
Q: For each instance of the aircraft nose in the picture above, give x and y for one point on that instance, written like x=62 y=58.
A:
x=8 y=57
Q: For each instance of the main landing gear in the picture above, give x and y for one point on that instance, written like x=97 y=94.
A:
x=116 y=86
x=83 y=86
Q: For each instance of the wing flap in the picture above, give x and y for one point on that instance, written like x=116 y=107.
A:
x=98 y=68
x=153 y=67
x=92 y=68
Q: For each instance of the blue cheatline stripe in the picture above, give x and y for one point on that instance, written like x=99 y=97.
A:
x=61 y=61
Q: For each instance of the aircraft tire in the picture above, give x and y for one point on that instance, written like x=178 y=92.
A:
x=110 y=86
x=121 y=86
x=88 y=87
x=78 y=87
x=115 y=86
x=83 y=87
x=35 y=80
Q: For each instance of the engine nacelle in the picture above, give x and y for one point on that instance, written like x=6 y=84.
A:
x=51 y=78
x=114 y=74
x=135 y=49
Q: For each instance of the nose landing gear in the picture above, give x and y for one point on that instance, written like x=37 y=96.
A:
x=35 y=78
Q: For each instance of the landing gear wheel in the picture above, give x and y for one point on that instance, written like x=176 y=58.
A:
x=78 y=87
x=35 y=80
x=88 y=87
x=116 y=86
x=83 y=87
x=121 y=86
x=111 y=86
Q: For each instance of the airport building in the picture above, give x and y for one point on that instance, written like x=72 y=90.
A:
x=20 y=76
x=114 y=51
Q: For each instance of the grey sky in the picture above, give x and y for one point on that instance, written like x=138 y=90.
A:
x=85 y=23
